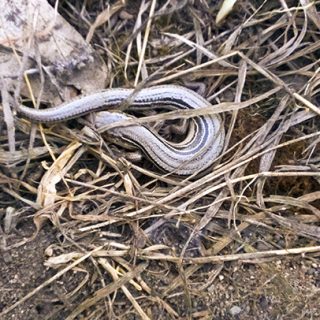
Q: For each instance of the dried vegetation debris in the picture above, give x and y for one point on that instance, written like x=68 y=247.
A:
x=241 y=240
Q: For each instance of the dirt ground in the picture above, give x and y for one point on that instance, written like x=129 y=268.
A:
x=278 y=289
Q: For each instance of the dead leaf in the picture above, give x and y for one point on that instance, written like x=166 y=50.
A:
x=57 y=58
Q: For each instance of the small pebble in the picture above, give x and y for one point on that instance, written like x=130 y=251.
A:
x=235 y=310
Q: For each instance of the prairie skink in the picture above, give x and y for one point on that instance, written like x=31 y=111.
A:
x=193 y=155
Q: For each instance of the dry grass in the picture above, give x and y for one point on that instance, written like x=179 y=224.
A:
x=153 y=245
